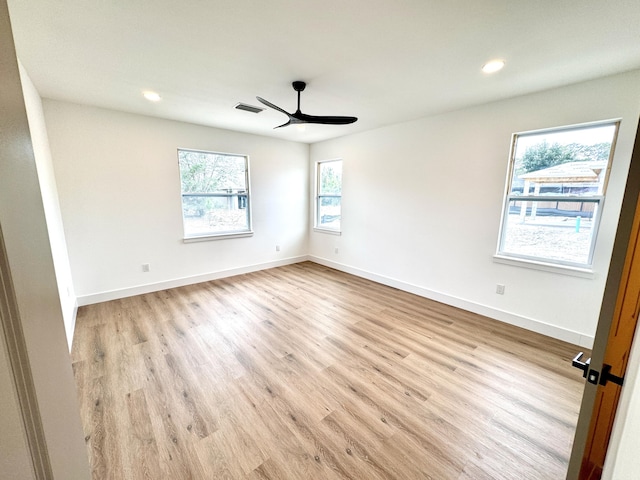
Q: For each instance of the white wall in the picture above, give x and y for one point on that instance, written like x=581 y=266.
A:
x=49 y=189
x=24 y=228
x=422 y=203
x=119 y=189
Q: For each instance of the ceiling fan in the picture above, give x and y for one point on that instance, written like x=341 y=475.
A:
x=299 y=117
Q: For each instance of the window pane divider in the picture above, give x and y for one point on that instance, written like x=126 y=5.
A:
x=243 y=194
x=555 y=198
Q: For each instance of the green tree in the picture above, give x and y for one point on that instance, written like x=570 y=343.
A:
x=207 y=172
x=597 y=151
x=331 y=179
x=202 y=172
x=542 y=155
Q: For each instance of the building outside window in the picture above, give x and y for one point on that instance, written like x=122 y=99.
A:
x=556 y=185
x=215 y=194
x=329 y=195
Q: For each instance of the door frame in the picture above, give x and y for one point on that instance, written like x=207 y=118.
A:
x=16 y=348
x=612 y=286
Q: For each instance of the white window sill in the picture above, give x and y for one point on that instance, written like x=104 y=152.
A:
x=219 y=236
x=545 y=267
x=326 y=230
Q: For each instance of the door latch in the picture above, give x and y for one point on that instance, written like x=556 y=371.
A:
x=593 y=376
x=584 y=366
x=607 y=376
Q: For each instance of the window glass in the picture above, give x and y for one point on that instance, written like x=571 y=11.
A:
x=329 y=195
x=557 y=183
x=215 y=193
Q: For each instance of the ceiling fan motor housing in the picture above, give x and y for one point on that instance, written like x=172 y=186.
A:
x=299 y=86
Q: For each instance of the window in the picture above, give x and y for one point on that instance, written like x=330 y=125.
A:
x=556 y=186
x=215 y=194
x=329 y=195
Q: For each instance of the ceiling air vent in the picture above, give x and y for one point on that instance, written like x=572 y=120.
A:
x=248 y=108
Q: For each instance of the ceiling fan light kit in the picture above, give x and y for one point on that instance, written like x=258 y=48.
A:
x=298 y=117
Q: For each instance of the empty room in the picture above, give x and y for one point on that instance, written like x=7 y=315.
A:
x=319 y=240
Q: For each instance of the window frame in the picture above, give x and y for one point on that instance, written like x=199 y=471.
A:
x=546 y=263
x=319 y=196
x=217 y=235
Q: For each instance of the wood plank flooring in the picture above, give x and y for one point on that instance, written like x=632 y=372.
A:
x=304 y=372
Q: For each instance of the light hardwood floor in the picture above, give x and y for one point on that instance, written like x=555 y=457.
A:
x=303 y=372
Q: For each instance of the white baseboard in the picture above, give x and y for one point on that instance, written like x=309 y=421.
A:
x=549 y=330
x=181 y=282
x=553 y=331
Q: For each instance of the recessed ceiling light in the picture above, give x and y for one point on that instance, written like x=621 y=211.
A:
x=152 y=96
x=493 y=66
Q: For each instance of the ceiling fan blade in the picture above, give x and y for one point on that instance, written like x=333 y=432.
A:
x=299 y=117
x=275 y=107
x=283 y=125
x=324 y=119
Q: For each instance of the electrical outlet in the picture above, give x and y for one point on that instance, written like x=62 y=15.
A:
x=145 y=267
x=336 y=250
x=500 y=289
x=277 y=248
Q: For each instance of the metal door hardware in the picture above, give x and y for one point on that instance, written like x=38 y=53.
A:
x=593 y=376
x=584 y=366
x=607 y=376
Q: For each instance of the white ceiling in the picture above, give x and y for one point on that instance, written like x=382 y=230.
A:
x=384 y=61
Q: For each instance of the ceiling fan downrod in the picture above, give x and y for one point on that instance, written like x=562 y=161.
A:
x=299 y=86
